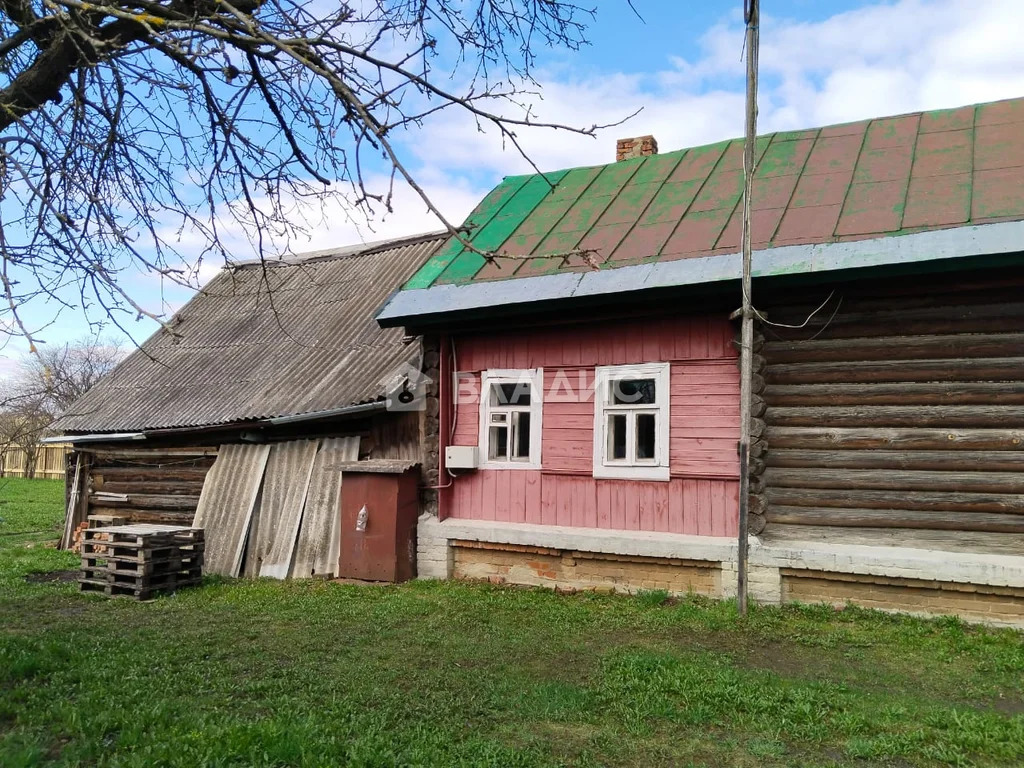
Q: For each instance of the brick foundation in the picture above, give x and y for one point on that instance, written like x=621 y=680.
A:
x=990 y=604
x=567 y=569
x=976 y=587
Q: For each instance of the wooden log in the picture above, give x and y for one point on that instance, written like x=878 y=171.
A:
x=982 y=368
x=156 y=454
x=903 y=393
x=757 y=467
x=150 y=501
x=983 y=318
x=896 y=480
x=758 y=406
x=899 y=416
x=896 y=348
x=757 y=427
x=894 y=518
x=106 y=474
x=152 y=487
x=906 y=439
x=757 y=383
x=756 y=483
x=757 y=504
x=949 y=461
x=758 y=447
x=756 y=524
x=965 y=503
x=169 y=517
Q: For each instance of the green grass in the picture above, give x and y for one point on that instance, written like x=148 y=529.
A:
x=449 y=674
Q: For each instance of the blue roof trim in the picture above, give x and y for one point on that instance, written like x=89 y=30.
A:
x=937 y=245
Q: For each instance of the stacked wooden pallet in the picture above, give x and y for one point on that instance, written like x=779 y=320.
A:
x=141 y=560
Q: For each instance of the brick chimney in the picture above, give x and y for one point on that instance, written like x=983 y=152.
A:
x=638 y=146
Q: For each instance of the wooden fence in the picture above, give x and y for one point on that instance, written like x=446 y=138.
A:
x=51 y=460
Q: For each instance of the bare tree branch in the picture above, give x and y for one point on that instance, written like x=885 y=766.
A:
x=127 y=126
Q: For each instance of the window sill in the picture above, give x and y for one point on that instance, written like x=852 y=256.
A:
x=631 y=473
x=508 y=465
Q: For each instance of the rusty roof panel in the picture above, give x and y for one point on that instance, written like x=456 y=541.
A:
x=244 y=351
x=938 y=200
x=809 y=224
x=763 y=223
x=841 y=182
x=697 y=233
x=832 y=154
x=892 y=132
x=603 y=240
x=873 y=207
x=996 y=112
x=723 y=189
x=996 y=194
x=947 y=120
x=844 y=129
x=657 y=169
x=773 y=191
x=784 y=158
x=886 y=164
x=946 y=152
x=644 y=241
x=999 y=146
x=821 y=189
x=698 y=162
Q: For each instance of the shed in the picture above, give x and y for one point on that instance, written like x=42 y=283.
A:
x=274 y=375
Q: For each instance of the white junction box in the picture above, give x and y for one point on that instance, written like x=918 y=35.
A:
x=460 y=457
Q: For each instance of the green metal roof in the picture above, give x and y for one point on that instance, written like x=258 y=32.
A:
x=874 y=178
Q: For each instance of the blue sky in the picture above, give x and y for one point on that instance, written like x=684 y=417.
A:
x=822 y=61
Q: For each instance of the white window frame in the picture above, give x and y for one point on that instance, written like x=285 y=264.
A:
x=655 y=469
x=535 y=378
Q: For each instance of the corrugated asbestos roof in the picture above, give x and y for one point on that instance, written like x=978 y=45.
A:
x=888 y=176
x=297 y=337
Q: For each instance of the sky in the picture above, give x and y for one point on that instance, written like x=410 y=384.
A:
x=680 y=62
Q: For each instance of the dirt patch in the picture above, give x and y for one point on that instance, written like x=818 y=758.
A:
x=1008 y=705
x=45 y=577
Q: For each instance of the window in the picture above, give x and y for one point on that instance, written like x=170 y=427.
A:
x=511 y=405
x=631 y=421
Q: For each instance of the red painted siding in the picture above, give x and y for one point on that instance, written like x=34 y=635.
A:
x=702 y=495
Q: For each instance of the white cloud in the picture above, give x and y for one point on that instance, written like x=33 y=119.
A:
x=882 y=59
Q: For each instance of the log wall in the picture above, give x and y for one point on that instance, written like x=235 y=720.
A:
x=899 y=405
x=148 y=485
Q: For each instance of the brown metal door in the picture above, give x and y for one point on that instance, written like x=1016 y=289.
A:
x=368 y=546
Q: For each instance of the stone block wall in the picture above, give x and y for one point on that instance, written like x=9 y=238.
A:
x=573 y=570
x=979 y=588
x=989 y=604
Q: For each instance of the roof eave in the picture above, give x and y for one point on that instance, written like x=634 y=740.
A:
x=438 y=304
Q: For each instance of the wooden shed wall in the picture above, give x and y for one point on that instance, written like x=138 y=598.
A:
x=162 y=482
x=900 y=405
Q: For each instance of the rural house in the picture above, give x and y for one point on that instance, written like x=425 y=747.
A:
x=270 y=385
x=589 y=417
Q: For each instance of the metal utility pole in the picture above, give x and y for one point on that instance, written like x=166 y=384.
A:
x=751 y=15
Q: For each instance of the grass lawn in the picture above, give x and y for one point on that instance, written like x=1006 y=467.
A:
x=448 y=674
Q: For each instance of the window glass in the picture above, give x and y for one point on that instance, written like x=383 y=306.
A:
x=645 y=436
x=498 y=442
x=633 y=392
x=510 y=394
x=521 y=447
x=617 y=436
